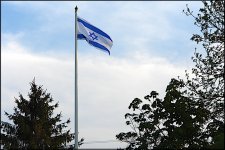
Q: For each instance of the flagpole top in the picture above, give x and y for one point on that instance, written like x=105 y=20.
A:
x=76 y=8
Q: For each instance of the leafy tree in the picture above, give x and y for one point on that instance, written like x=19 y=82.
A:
x=207 y=85
x=34 y=126
x=174 y=122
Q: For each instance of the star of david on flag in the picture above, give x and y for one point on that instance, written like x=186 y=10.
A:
x=93 y=35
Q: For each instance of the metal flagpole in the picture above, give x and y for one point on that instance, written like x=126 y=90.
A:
x=76 y=84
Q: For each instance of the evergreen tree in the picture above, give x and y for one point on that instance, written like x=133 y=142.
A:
x=35 y=126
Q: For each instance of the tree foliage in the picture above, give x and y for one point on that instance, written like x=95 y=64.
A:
x=174 y=122
x=191 y=115
x=35 y=126
x=207 y=85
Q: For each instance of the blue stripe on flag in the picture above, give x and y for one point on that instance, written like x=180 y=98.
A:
x=81 y=36
x=93 y=28
x=95 y=44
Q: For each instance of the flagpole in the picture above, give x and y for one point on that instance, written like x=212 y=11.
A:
x=76 y=84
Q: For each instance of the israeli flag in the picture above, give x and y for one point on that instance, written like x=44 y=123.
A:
x=93 y=35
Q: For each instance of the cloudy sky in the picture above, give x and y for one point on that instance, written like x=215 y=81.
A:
x=151 y=45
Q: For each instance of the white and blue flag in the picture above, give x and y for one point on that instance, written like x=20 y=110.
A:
x=93 y=35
